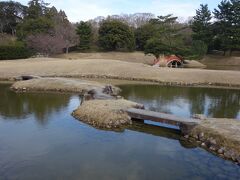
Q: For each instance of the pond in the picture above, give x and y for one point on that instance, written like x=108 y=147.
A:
x=186 y=101
x=39 y=139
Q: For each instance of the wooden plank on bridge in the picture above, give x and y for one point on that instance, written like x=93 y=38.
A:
x=160 y=117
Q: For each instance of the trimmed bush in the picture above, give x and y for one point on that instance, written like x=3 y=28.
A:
x=15 y=51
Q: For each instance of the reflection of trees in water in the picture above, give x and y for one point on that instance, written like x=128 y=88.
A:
x=226 y=106
x=211 y=102
x=18 y=106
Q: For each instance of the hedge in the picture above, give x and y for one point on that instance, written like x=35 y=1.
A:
x=8 y=52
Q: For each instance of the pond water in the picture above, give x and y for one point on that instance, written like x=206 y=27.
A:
x=186 y=101
x=39 y=139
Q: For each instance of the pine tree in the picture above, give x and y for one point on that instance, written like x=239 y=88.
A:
x=84 y=31
x=201 y=25
x=236 y=24
x=11 y=13
x=227 y=25
x=37 y=20
x=167 y=39
x=35 y=9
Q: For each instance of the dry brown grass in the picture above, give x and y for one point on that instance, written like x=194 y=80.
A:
x=60 y=85
x=114 y=69
x=6 y=39
x=222 y=62
x=107 y=114
x=134 y=57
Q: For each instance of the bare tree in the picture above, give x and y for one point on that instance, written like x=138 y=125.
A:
x=96 y=21
x=60 y=38
x=141 y=19
x=67 y=33
x=63 y=29
x=45 y=44
x=134 y=20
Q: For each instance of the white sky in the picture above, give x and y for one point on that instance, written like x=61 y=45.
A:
x=77 y=10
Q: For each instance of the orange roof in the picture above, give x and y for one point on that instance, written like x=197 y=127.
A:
x=172 y=58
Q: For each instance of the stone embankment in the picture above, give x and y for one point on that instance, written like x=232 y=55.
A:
x=220 y=136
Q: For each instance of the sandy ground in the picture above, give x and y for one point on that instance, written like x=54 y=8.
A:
x=217 y=62
x=114 y=69
x=135 y=57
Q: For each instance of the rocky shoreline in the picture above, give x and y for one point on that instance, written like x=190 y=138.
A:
x=212 y=146
x=219 y=136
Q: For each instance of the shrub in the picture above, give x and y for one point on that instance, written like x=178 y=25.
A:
x=14 y=51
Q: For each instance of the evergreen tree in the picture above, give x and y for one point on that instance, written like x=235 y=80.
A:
x=236 y=24
x=36 y=21
x=84 y=31
x=36 y=9
x=227 y=25
x=143 y=34
x=116 y=35
x=201 y=25
x=166 y=39
x=11 y=13
x=168 y=31
x=157 y=48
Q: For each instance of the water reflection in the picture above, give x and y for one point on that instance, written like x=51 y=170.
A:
x=184 y=101
x=17 y=106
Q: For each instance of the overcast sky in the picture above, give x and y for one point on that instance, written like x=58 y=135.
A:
x=77 y=10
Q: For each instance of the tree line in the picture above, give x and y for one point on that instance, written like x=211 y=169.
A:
x=43 y=29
